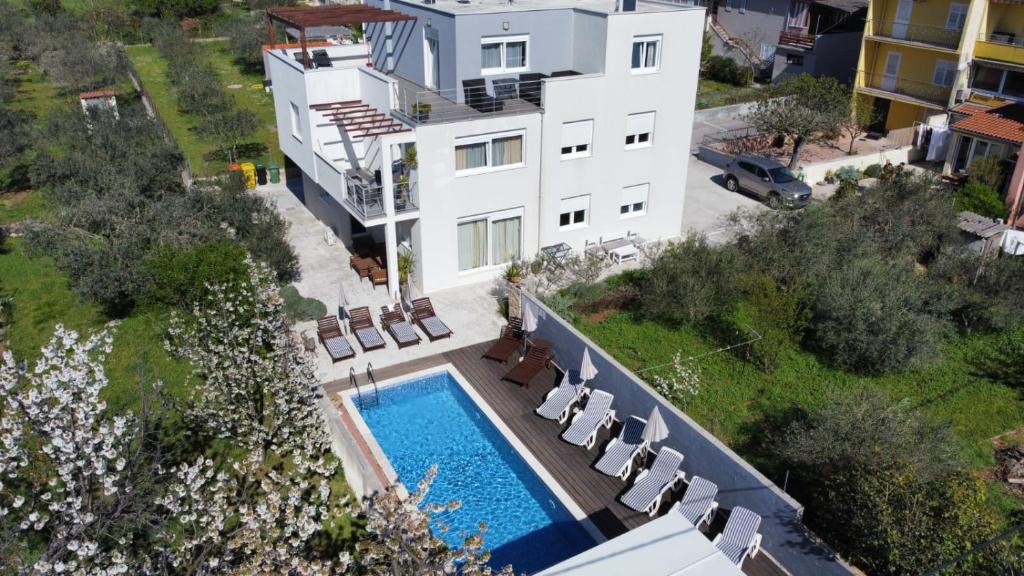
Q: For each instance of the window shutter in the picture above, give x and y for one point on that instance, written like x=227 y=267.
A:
x=635 y=194
x=576 y=133
x=575 y=203
x=640 y=123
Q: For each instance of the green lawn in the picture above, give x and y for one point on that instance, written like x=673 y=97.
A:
x=153 y=71
x=43 y=299
x=29 y=204
x=736 y=399
x=712 y=94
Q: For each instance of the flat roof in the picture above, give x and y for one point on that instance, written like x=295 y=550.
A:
x=499 y=6
x=667 y=545
x=303 y=17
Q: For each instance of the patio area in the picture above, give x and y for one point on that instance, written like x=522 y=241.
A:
x=471 y=312
x=572 y=467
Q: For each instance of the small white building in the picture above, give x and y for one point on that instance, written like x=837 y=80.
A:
x=98 y=100
x=535 y=123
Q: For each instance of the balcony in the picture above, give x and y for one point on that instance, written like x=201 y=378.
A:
x=365 y=199
x=1000 y=46
x=406 y=197
x=919 y=34
x=509 y=96
x=797 y=39
x=911 y=91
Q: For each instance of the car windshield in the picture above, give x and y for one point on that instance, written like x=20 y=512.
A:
x=781 y=175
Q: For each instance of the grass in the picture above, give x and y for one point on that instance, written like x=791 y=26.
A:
x=712 y=94
x=25 y=205
x=736 y=399
x=42 y=299
x=152 y=69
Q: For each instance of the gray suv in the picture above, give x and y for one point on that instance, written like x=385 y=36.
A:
x=768 y=179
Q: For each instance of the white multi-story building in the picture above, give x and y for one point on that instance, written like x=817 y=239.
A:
x=535 y=123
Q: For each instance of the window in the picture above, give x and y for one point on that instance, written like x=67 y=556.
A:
x=646 y=54
x=998 y=81
x=486 y=153
x=743 y=6
x=577 y=139
x=573 y=212
x=945 y=73
x=490 y=240
x=795 y=59
x=957 y=15
x=296 y=123
x=506 y=54
x=799 y=15
x=767 y=51
x=639 y=130
x=634 y=201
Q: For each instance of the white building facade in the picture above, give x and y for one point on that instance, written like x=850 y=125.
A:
x=534 y=123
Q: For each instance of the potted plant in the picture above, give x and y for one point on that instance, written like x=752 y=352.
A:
x=514 y=273
x=421 y=111
x=406 y=264
x=402 y=198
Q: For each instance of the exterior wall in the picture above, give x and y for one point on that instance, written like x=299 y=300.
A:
x=589 y=30
x=608 y=99
x=902 y=115
x=550 y=47
x=445 y=197
x=762 y=21
x=408 y=42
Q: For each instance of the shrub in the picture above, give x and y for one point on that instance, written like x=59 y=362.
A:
x=885 y=485
x=691 y=281
x=299 y=308
x=980 y=198
x=725 y=69
x=987 y=170
x=245 y=40
x=848 y=174
x=180 y=277
x=778 y=317
x=873 y=171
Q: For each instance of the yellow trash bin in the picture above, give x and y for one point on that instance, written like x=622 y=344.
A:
x=249 y=169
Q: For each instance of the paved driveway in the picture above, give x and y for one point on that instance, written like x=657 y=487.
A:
x=708 y=202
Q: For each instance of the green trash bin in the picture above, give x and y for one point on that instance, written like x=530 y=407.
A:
x=275 y=173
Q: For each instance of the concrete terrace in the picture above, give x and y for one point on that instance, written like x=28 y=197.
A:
x=471 y=312
x=571 y=466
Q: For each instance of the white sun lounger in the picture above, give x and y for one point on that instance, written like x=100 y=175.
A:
x=698 y=504
x=651 y=485
x=620 y=452
x=740 y=539
x=559 y=401
x=585 y=424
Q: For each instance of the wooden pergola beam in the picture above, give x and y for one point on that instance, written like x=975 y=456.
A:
x=302 y=17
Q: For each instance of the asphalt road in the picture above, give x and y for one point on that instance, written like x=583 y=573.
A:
x=708 y=202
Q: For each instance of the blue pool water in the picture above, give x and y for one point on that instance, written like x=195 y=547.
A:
x=431 y=420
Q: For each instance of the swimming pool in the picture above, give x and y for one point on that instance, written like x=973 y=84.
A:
x=431 y=420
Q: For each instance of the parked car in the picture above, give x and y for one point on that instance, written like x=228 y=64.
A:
x=767 y=179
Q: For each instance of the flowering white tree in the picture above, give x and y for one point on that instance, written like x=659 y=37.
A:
x=71 y=479
x=400 y=541
x=259 y=385
x=682 y=383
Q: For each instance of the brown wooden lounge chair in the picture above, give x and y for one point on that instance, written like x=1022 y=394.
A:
x=537 y=358
x=511 y=339
x=395 y=323
x=379 y=276
x=329 y=331
x=363 y=265
x=361 y=324
x=424 y=316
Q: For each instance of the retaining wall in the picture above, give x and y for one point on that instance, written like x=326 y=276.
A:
x=785 y=537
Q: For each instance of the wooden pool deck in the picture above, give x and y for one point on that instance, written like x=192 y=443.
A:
x=571 y=466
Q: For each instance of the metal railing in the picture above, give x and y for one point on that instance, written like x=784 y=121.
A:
x=925 y=91
x=367 y=200
x=1006 y=45
x=507 y=96
x=370 y=377
x=405 y=197
x=924 y=34
x=355 y=384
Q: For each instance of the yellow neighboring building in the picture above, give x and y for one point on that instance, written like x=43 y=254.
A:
x=920 y=57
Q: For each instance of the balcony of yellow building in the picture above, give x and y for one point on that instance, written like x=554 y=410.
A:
x=906 y=90
x=926 y=36
x=1000 y=38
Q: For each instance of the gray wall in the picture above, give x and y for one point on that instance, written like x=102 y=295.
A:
x=739 y=483
x=589 y=30
x=408 y=39
x=763 y=21
x=834 y=55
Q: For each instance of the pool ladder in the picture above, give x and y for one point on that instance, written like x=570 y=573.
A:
x=355 y=384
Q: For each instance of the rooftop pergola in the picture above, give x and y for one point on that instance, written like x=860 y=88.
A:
x=303 y=17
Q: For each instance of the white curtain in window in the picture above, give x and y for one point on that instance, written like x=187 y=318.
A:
x=490 y=56
x=470 y=156
x=505 y=240
x=515 y=55
x=507 y=150
x=472 y=244
x=651 y=54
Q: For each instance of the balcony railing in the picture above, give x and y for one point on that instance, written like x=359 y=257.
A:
x=797 y=39
x=366 y=199
x=923 y=34
x=419 y=105
x=924 y=91
x=997 y=46
x=406 y=199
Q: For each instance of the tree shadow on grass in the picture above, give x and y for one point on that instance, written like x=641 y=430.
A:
x=246 y=150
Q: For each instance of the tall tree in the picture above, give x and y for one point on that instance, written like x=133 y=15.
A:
x=803 y=108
